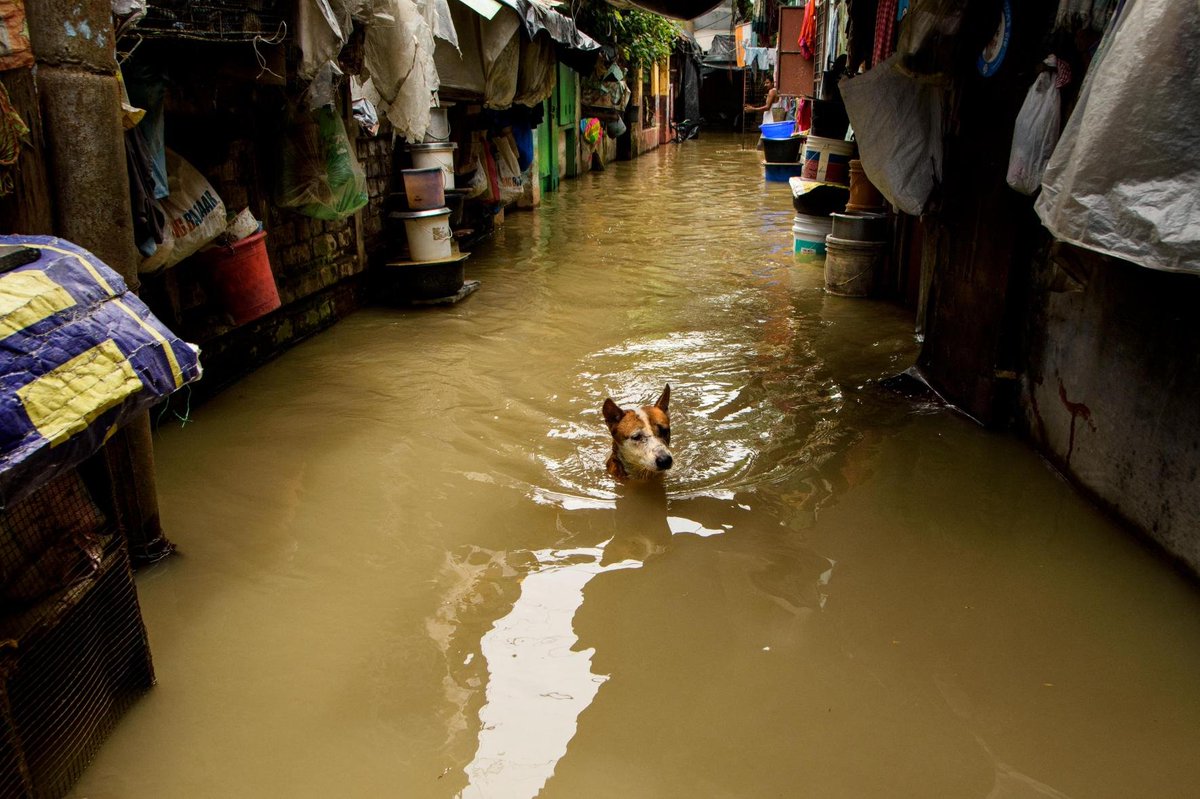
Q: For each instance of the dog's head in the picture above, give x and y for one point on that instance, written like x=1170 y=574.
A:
x=642 y=436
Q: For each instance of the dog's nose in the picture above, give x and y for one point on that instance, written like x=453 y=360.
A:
x=663 y=462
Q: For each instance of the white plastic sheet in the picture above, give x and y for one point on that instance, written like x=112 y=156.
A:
x=398 y=57
x=897 y=120
x=1123 y=179
x=437 y=15
x=323 y=26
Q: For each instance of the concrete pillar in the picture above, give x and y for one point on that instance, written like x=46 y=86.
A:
x=74 y=44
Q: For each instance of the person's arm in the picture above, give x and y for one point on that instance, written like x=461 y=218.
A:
x=772 y=96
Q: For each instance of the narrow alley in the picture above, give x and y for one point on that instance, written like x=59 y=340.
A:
x=403 y=571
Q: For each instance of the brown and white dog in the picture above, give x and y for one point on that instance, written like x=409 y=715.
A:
x=641 y=438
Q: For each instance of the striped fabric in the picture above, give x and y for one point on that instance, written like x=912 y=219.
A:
x=80 y=355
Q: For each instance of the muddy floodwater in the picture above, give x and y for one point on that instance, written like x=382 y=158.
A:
x=403 y=571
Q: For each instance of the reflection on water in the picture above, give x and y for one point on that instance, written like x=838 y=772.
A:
x=404 y=571
x=537 y=684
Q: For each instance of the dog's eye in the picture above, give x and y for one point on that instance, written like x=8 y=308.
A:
x=638 y=436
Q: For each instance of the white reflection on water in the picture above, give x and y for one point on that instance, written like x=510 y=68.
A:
x=537 y=684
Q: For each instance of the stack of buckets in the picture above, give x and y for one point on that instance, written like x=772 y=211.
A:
x=826 y=161
x=853 y=245
x=856 y=248
x=427 y=221
x=781 y=147
x=435 y=270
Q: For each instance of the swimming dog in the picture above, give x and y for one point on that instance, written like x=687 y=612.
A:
x=641 y=438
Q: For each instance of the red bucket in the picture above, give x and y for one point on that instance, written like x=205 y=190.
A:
x=242 y=276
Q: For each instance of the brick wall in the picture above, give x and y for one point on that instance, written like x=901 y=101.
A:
x=376 y=157
x=315 y=263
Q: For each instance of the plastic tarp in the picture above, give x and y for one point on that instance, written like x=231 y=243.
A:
x=1123 y=179
x=441 y=22
x=539 y=71
x=538 y=16
x=462 y=69
x=500 y=42
x=80 y=355
x=398 y=58
x=897 y=122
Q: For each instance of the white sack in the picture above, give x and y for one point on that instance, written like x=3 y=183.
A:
x=195 y=215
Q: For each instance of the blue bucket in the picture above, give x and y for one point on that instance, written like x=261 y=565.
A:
x=778 y=130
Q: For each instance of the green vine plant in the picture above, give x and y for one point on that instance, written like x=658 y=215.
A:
x=640 y=37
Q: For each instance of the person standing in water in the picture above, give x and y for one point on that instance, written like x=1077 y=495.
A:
x=771 y=110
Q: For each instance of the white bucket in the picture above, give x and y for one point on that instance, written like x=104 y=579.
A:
x=808 y=236
x=428 y=155
x=827 y=160
x=853 y=267
x=429 y=234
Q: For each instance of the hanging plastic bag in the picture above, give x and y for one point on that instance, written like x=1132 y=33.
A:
x=1035 y=133
x=195 y=215
x=321 y=176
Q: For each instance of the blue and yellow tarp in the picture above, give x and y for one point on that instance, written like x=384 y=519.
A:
x=80 y=355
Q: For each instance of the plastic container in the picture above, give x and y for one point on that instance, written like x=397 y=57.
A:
x=852 y=267
x=778 y=130
x=863 y=194
x=241 y=274
x=781 y=173
x=827 y=160
x=861 y=227
x=782 y=150
x=435 y=154
x=425 y=188
x=808 y=237
x=429 y=234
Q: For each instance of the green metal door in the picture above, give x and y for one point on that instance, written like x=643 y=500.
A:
x=547 y=143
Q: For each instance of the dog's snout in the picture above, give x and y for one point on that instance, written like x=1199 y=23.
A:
x=663 y=462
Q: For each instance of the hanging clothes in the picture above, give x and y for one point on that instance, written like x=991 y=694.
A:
x=835 y=32
x=885 y=31
x=808 y=31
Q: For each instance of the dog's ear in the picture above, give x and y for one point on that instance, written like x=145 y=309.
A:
x=664 y=399
x=612 y=413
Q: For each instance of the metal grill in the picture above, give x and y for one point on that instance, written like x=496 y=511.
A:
x=73 y=649
x=214 y=20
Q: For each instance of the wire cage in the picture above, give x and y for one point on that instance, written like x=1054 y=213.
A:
x=73 y=648
x=214 y=20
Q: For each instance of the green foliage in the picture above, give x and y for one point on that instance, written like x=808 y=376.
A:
x=743 y=9
x=640 y=37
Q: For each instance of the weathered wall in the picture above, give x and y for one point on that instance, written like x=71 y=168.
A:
x=230 y=128
x=1097 y=360
x=1112 y=391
